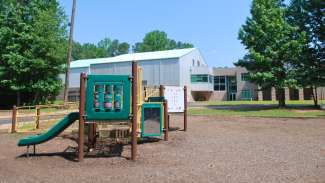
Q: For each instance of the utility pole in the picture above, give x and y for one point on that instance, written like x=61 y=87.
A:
x=66 y=86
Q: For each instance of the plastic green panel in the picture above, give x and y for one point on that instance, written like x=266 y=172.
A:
x=152 y=119
x=108 y=97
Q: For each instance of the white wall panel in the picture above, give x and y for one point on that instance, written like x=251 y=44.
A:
x=74 y=76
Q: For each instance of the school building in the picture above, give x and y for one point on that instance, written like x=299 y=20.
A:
x=184 y=67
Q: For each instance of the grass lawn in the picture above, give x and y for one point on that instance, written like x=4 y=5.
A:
x=28 y=127
x=248 y=102
x=295 y=109
x=279 y=113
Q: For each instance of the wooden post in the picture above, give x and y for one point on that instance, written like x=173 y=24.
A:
x=168 y=120
x=145 y=92
x=134 y=110
x=91 y=135
x=185 y=108
x=81 y=117
x=14 y=119
x=161 y=91
x=38 y=113
x=166 y=125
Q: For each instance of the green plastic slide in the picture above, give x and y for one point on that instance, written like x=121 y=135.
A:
x=51 y=133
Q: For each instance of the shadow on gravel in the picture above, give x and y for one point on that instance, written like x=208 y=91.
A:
x=172 y=129
x=101 y=150
x=69 y=154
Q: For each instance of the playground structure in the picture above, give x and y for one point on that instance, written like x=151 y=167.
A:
x=105 y=99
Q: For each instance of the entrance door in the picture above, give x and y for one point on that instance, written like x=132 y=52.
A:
x=231 y=87
x=232 y=96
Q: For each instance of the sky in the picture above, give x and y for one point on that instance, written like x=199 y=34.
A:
x=211 y=25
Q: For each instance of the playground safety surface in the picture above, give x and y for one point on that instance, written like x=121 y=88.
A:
x=214 y=149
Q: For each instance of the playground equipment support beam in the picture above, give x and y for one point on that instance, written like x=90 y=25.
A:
x=134 y=110
x=161 y=91
x=166 y=125
x=81 y=117
x=185 y=108
x=91 y=135
x=14 y=119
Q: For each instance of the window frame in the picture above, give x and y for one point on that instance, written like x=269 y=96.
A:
x=246 y=94
x=218 y=85
x=244 y=76
x=200 y=78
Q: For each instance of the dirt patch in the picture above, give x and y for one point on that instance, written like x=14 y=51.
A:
x=214 y=149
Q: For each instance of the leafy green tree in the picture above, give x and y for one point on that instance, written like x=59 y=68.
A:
x=87 y=51
x=123 y=48
x=158 y=41
x=32 y=48
x=113 y=47
x=272 y=44
x=104 y=48
x=308 y=15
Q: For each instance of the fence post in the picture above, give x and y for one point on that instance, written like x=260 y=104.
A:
x=14 y=119
x=38 y=113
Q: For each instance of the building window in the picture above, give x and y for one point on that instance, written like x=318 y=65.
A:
x=246 y=95
x=219 y=83
x=199 y=78
x=193 y=62
x=198 y=63
x=244 y=76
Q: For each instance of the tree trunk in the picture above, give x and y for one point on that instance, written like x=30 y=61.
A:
x=315 y=96
x=281 y=95
x=18 y=98
x=36 y=98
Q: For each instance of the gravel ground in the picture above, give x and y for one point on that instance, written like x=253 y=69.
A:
x=214 y=149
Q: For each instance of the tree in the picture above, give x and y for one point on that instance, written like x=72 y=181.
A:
x=308 y=16
x=87 y=51
x=32 y=48
x=272 y=44
x=158 y=41
x=113 y=47
x=104 y=48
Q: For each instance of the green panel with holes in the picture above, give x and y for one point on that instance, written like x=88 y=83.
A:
x=108 y=97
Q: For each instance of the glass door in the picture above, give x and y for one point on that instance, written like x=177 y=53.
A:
x=231 y=87
x=232 y=96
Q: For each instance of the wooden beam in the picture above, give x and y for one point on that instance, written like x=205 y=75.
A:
x=81 y=117
x=134 y=110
